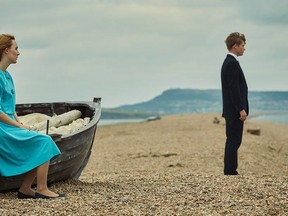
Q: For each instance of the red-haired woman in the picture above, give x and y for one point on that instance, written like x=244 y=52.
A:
x=22 y=151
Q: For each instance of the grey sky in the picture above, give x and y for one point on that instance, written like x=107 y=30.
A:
x=130 y=51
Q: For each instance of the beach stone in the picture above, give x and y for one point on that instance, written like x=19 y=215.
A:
x=124 y=178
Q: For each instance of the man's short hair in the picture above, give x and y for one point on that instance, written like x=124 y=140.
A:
x=234 y=38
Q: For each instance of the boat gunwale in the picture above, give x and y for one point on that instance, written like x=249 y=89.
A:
x=95 y=104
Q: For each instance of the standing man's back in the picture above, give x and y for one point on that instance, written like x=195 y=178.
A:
x=235 y=100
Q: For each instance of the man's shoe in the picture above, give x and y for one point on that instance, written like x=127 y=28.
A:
x=231 y=173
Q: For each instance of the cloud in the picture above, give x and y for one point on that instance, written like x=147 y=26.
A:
x=264 y=13
x=130 y=51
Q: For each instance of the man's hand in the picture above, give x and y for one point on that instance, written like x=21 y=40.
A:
x=243 y=115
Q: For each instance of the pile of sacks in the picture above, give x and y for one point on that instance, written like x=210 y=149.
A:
x=63 y=124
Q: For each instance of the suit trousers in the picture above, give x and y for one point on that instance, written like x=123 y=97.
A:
x=234 y=131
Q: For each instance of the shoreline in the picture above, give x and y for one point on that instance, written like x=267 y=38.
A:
x=271 y=117
x=277 y=117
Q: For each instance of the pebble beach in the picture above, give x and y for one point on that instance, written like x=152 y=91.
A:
x=172 y=166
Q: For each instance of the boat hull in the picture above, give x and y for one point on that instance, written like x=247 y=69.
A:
x=75 y=148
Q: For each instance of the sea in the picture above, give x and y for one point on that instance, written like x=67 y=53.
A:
x=277 y=117
x=104 y=122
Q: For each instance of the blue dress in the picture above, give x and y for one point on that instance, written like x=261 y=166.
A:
x=21 y=150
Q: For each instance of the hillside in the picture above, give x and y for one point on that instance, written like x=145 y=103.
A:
x=176 y=101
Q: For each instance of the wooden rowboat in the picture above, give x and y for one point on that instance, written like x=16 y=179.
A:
x=75 y=147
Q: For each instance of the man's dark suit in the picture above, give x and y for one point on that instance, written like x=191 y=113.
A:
x=235 y=99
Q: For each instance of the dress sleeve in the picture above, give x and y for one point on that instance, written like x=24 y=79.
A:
x=7 y=94
x=1 y=94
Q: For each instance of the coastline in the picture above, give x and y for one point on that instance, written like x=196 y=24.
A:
x=259 y=116
x=106 y=122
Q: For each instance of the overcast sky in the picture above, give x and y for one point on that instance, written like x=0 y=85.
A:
x=129 y=51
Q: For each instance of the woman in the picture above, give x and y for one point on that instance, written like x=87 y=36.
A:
x=22 y=151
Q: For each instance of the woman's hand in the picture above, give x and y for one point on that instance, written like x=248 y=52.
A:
x=26 y=127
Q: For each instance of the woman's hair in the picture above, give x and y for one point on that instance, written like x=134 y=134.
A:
x=5 y=42
x=234 y=38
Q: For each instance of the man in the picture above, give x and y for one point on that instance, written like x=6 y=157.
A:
x=235 y=100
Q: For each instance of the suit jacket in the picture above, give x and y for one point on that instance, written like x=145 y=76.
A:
x=234 y=88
